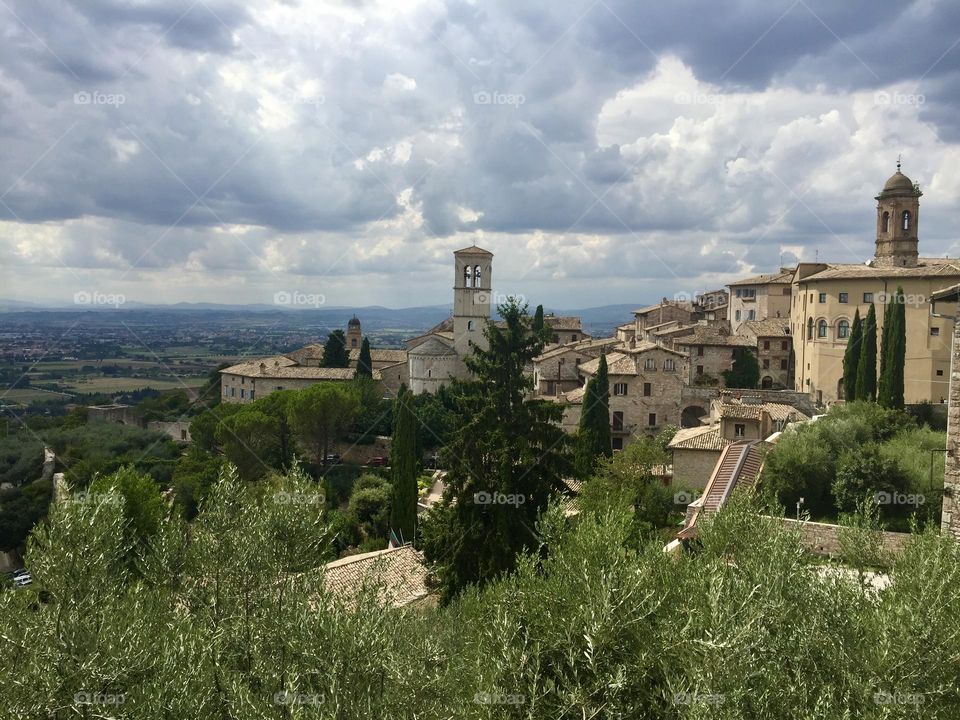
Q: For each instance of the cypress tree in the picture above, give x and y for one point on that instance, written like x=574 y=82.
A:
x=365 y=362
x=593 y=435
x=403 y=467
x=866 y=388
x=851 y=359
x=894 y=353
x=335 y=351
x=538 y=319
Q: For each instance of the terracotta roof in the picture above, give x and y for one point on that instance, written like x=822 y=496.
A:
x=711 y=335
x=562 y=322
x=434 y=346
x=777 y=411
x=778 y=278
x=927 y=267
x=574 y=397
x=699 y=438
x=291 y=371
x=682 y=304
x=772 y=327
x=399 y=574
x=380 y=355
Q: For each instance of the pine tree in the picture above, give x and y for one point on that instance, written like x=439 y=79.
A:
x=365 y=362
x=866 y=388
x=593 y=436
x=403 y=467
x=894 y=352
x=745 y=372
x=851 y=359
x=507 y=457
x=335 y=351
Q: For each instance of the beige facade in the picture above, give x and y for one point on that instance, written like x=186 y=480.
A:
x=760 y=298
x=946 y=304
x=774 y=348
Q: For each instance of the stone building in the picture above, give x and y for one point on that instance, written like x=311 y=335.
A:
x=760 y=297
x=945 y=305
x=826 y=295
x=557 y=369
x=663 y=311
x=711 y=350
x=645 y=389
x=774 y=348
x=354 y=334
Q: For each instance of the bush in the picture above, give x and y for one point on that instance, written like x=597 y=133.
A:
x=865 y=473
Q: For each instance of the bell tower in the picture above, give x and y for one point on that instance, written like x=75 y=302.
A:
x=898 y=219
x=471 y=297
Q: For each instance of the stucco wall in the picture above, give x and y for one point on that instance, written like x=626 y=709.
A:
x=692 y=468
x=823 y=539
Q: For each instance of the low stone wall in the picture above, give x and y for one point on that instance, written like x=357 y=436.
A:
x=823 y=538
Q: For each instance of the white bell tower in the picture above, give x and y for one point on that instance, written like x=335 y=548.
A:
x=472 y=285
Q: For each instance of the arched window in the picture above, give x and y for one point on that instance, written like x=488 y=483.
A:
x=809 y=328
x=469 y=324
x=822 y=329
x=467 y=277
x=843 y=329
x=906 y=220
x=476 y=277
x=886 y=222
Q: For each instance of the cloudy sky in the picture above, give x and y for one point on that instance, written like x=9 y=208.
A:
x=606 y=151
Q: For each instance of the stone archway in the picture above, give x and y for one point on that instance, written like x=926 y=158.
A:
x=766 y=383
x=690 y=417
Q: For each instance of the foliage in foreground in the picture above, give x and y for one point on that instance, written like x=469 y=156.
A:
x=229 y=621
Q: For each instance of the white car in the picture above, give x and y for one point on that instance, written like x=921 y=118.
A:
x=21 y=578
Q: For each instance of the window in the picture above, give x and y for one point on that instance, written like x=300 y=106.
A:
x=242 y=391
x=669 y=364
x=225 y=392
x=935 y=331
x=736 y=315
x=939 y=373
x=620 y=388
x=467 y=277
x=573 y=338
x=906 y=220
x=843 y=329
x=739 y=430
x=243 y=381
x=469 y=324
x=700 y=351
x=617 y=443
x=784 y=365
x=652 y=419
x=822 y=329
x=279 y=387
x=551 y=387
x=843 y=297
x=699 y=369
x=617 y=421
x=823 y=297
x=886 y=222
x=868 y=297
x=647 y=389
x=251 y=394
x=766 y=344
x=809 y=328
x=233 y=392
x=650 y=364
x=476 y=276
x=766 y=363
x=784 y=345
x=752 y=315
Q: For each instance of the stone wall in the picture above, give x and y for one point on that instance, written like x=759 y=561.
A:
x=950 y=523
x=823 y=539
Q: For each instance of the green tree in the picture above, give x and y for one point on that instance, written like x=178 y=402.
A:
x=866 y=388
x=506 y=459
x=335 y=353
x=894 y=352
x=143 y=506
x=276 y=405
x=369 y=506
x=194 y=475
x=851 y=358
x=866 y=472
x=593 y=435
x=537 y=325
x=320 y=414
x=745 y=372
x=249 y=441
x=404 y=467
x=365 y=361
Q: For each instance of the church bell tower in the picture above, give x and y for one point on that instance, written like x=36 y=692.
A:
x=898 y=218
x=471 y=297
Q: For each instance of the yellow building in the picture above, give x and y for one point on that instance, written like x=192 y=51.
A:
x=826 y=295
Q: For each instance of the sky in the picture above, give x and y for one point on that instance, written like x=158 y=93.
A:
x=338 y=152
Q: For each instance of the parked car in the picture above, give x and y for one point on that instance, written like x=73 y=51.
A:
x=332 y=459
x=378 y=461
x=21 y=578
